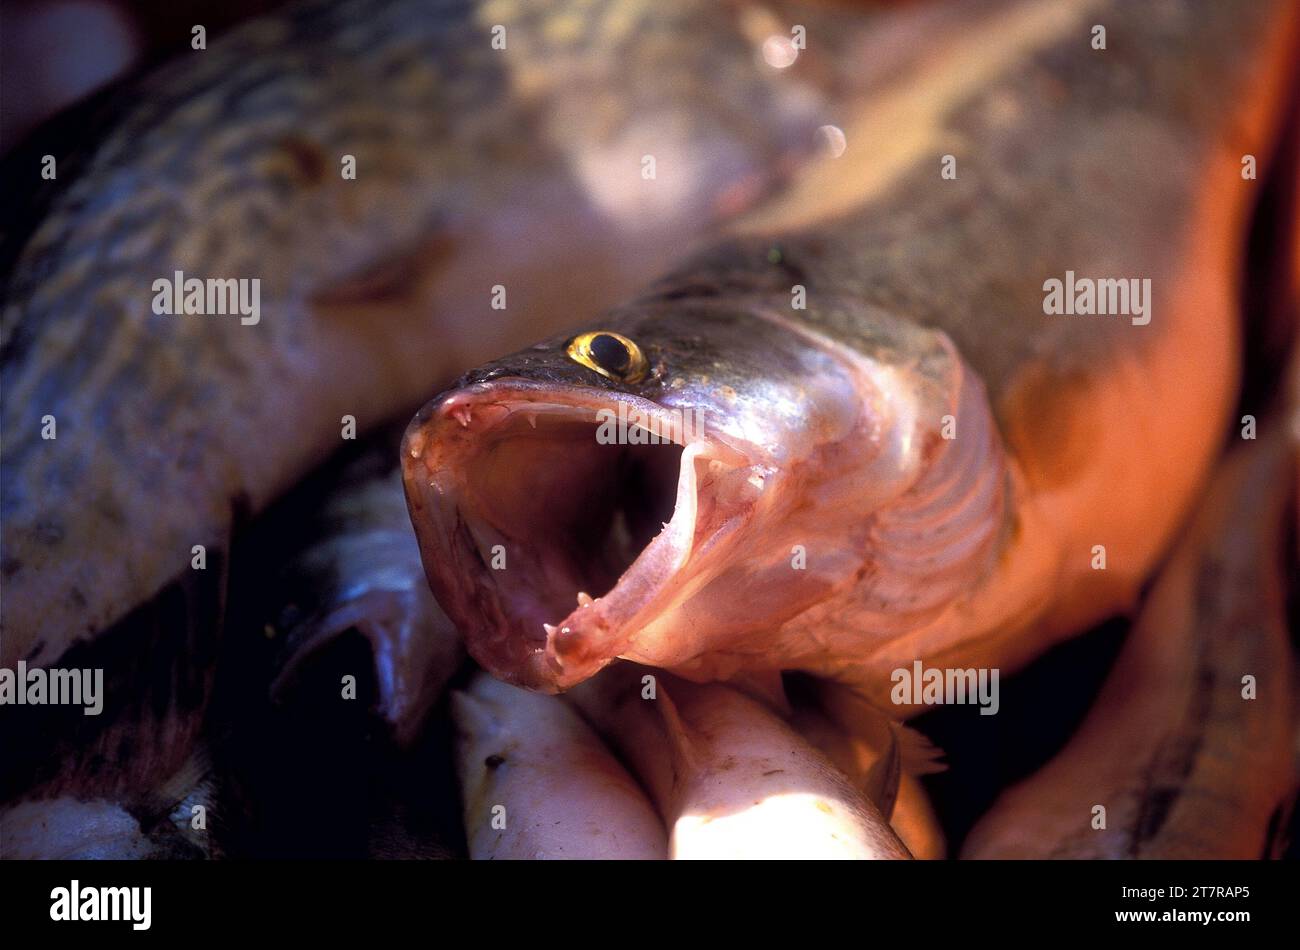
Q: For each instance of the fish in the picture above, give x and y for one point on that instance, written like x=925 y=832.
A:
x=180 y=819
x=854 y=434
x=538 y=783
x=1188 y=751
x=731 y=780
x=360 y=198
x=358 y=569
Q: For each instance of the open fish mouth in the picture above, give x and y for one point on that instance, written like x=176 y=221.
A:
x=556 y=521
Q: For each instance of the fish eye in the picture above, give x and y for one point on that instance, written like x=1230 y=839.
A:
x=611 y=354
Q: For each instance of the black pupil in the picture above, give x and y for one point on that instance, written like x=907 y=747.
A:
x=610 y=352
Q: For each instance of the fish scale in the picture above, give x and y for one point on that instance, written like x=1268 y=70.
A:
x=475 y=167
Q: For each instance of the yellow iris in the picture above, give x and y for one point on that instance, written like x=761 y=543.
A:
x=612 y=355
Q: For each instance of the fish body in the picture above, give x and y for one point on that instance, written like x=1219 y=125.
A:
x=923 y=459
x=882 y=758
x=1189 y=747
x=538 y=783
x=731 y=780
x=396 y=189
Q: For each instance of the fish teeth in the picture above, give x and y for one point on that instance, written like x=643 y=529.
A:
x=532 y=419
x=584 y=599
x=550 y=629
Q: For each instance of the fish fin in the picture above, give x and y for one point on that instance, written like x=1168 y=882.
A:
x=313 y=635
x=177 y=787
x=917 y=753
x=686 y=758
x=881 y=782
x=767 y=687
x=411 y=665
x=878 y=729
x=165 y=812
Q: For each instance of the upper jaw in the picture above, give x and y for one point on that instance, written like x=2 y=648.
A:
x=718 y=483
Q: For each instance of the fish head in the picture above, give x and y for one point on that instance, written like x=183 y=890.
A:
x=665 y=485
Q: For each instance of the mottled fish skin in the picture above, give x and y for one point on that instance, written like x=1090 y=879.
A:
x=359 y=569
x=538 y=783
x=823 y=427
x=1184 y=763
x=731 y=780
x=475 y=167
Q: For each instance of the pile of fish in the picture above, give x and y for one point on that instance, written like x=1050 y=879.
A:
x=872 y=339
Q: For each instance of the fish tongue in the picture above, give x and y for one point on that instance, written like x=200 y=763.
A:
x=595 y=633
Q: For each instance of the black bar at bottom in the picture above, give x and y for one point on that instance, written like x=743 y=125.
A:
x=1223 y=899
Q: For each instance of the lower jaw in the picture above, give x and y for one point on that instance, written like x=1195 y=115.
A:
x=528 y=486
